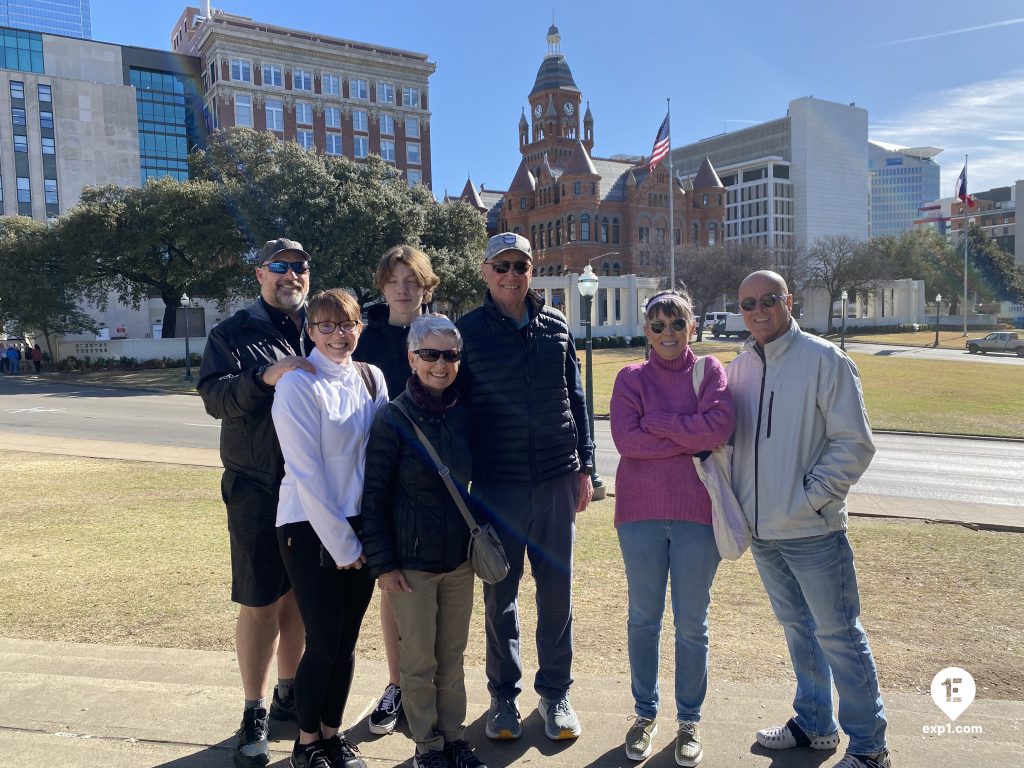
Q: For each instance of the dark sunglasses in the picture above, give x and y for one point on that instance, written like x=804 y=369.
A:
x=501 y=267
x=658 y=326
x=432 y=355
x=327 y=327
x=767 y=301
x=282 y=267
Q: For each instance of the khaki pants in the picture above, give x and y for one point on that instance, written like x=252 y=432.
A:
x=433 y=629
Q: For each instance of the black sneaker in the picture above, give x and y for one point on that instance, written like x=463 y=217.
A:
x=309 y=756
x=341 y=752
x=283 y=707
x=431 y=759
x=253 y=750
x=460 y=755
x=385 y=715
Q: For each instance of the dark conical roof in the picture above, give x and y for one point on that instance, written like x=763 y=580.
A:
x=588 y=117
x=471 y=196
x=579 y=163
x=554 y=73
x=706 y=176
x=523 y=181
x=552 y=30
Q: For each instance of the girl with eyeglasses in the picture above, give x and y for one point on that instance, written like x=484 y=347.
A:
x=323 y=422
x=663 y=515
x=417 y=542
x=406 y=280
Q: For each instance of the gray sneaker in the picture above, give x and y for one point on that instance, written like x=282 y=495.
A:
x=503 y=719
x=560 y=721
x=689 y=751
x=640 y=738
x=252 y=749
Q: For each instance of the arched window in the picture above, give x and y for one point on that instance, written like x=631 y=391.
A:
x=570 y=227
x=585 y=226
x=616 y=269
x=694 y=232
x=533 y=235
x=550 y=240
x=605 y=269
x=558 y=232
x=712 y=233
x=615 y=231
x=604 y=229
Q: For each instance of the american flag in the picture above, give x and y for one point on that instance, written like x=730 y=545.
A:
x=661 y=146
x=961 y=189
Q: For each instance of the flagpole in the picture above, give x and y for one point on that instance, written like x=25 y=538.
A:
x=964 y=204
x=671 y=197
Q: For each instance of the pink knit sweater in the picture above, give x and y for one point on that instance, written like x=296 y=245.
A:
x=658 y=423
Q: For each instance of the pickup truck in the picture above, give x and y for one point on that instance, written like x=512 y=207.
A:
x=1000 y=341
x=730 y=325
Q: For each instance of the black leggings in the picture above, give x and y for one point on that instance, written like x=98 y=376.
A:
x=332 y=603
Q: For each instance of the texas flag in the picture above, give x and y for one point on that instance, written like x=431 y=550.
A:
x=961 y=189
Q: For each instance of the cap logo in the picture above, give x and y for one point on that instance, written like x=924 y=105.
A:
x=509 y=239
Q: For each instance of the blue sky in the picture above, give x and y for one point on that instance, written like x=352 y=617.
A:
x=928 y=72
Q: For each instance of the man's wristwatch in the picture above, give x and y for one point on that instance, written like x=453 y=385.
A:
x=259 y=374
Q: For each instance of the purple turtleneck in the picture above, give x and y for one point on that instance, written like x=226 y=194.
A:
x=658 y=423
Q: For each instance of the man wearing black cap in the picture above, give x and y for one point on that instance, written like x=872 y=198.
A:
x=245 y=357
x=533 y=458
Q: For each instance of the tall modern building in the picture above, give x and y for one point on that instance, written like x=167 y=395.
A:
x=791 y=180
x=338 y=96
x=902 y=180
x=58 y=17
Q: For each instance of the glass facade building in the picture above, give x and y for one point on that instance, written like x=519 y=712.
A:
x=58 y=17
x=165 y=103
x=21 y=50
x=902 y=180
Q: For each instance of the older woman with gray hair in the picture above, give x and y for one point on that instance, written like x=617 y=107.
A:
x=416 y=541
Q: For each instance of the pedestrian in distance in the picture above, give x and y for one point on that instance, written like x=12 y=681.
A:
x=417 y=542
x=406 y=281
x=13 y=356
x=37 y=358
x=245 y=358
x=323 y=421
x=802 y=441
x=663 y=516
x=529 y=427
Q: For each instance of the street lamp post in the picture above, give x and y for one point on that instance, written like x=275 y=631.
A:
x=938 y=305
x=188 y=355
x=587 y=285
x=842 y=334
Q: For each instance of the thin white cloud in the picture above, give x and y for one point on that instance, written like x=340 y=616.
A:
x=964 y=30
x=981 y=120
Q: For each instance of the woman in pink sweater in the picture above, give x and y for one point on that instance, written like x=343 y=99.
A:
x=663 y=515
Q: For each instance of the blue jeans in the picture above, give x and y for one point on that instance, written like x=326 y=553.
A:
x=652 y=550
x=536 y=522
x=812 y=585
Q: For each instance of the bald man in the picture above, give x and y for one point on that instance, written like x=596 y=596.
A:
x=802 y=440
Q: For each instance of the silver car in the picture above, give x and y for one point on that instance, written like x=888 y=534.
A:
x=1000 y=341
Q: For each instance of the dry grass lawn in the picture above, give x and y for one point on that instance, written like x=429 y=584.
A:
x=136 y=554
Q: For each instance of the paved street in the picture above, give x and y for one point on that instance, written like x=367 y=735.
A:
x=917 y=353
x=908 y=466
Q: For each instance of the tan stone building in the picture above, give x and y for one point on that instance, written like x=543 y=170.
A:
x=340 y=96
x=577 y=208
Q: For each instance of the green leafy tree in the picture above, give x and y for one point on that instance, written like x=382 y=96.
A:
x=454 y=237
x=992 y=271
x=166 y=239
x=39 y=289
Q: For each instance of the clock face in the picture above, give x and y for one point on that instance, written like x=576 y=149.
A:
x=569 y=108
x=537 y=111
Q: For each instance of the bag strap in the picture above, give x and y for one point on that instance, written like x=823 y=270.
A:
x=367 y=376
x=442 y=470
x=698 y=375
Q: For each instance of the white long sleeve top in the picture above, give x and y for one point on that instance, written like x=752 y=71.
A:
x=323 y=423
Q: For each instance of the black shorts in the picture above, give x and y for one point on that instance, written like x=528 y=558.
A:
x=258 y=576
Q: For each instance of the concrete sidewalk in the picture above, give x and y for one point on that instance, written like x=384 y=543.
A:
x=95 y=706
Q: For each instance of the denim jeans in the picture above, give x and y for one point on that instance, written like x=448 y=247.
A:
x=812 y=585
x=652 y=551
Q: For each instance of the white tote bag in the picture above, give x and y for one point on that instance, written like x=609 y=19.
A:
x=732 y=534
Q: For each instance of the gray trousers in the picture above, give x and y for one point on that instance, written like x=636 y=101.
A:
x=538 y=522
x=433 y=629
